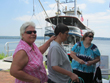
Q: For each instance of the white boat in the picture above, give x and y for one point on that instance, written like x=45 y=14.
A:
x=71 y=18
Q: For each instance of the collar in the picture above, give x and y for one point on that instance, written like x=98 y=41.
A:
x=27 y=45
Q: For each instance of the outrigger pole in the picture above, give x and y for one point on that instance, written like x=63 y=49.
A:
x=46 y=14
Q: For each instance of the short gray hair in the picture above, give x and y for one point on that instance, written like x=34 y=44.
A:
x=24 y=26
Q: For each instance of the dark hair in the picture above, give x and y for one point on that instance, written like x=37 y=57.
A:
x=86 y=35
x=60 y=28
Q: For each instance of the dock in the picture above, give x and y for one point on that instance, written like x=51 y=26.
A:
x=8 y=59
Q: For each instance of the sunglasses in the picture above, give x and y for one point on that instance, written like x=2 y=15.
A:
x=30 y=32
x=66 y=33
x=90 y=36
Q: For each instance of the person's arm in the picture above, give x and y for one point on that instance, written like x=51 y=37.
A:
x=19 y=62
x=97 y=59
x=97 y=56
x=73 y=76
x=73 y=55
x=44 y=47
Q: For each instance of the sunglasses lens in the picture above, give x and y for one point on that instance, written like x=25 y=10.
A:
x=34 y=32
x=30 y=32
x=90 y=36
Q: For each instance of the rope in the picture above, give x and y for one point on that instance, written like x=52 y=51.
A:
x=80 y=80
x=34 y=14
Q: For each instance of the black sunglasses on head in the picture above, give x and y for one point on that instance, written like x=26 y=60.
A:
x=30 y=32
x=90 y=36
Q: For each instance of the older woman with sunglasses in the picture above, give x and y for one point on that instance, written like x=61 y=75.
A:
x=27 y=65
x=85 y=56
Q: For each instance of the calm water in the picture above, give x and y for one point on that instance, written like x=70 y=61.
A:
x=103 y=46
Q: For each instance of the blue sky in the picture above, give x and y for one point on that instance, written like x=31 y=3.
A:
x=13 y=13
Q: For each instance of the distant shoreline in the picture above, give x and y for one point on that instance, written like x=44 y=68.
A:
x=18 y=37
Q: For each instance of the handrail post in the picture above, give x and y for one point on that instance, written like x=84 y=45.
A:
x=7 y=49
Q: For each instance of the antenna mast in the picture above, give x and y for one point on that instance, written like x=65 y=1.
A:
x=75 y=8
x=58 y=11
x=33 y=8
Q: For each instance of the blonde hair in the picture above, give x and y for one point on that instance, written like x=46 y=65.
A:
x=24 y=26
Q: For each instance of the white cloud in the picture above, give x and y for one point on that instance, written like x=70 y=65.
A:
x=50 y=13
x=102 y=32
x=108 y=11
x=23 y=18
x=46 y=2
x=81 y=6
x=53 y=5
x=99 y=23
x=25 y=1
x=97 y=1
x=98 y=17
x=38 y=18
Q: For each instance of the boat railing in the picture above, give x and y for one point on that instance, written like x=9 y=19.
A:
x=7 y=45
x=49 y=29
x=68 y=47
x=105 y=70
x=70 y=9
x=105 y=73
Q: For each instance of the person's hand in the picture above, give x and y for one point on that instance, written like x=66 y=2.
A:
x=89 y=63
x=52 y=38
x=74 y=77
x=73 y=53
x=36 y=80
x=81 y=61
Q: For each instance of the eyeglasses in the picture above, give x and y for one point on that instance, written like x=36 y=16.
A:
x=90 y=36
x=66 y=33
x=30 y=32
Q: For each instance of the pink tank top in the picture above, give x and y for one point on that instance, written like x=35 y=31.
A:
x=35 y=65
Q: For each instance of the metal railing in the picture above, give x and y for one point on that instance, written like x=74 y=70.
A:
x=67 y=47
x=6 y=47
